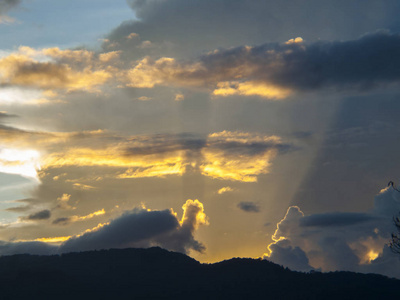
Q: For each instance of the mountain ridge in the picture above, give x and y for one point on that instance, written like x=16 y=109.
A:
x=156 y=273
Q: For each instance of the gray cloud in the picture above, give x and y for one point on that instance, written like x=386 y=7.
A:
x=249 y=206
x=138 y=228
x=6 y=5
x=35 y=248
x=292 y=257
x=335 y=219
x=360 y=64
x=160 y=144
x=29 y=204
x=216 y=24
x=40 y=215
x=62 y=221
x=142 y=228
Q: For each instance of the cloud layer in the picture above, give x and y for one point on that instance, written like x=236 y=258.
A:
x=274 y=71
x=224 y=155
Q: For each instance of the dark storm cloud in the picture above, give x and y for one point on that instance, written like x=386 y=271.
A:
x=362 y=63
x=40 y=215
x=178 y=24
x=249 y=206
x=335 y=219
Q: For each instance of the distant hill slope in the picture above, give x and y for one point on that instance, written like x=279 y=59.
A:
x=159 y=274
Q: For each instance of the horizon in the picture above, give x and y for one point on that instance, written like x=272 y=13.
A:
x=211 y=128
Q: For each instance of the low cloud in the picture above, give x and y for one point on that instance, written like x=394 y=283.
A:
x=40 y=215
x=72 y=219
x=339 y=241
x=248 y=206
x=139 y=228
x=35 y=248
x=145 y=228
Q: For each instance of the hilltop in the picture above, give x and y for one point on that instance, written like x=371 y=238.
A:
x=157 y=273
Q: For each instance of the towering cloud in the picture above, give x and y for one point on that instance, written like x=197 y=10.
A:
x=339 y=241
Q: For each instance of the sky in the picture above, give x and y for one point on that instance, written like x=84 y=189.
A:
x=219 y=129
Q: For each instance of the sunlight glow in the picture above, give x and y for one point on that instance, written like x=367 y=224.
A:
x=58 y=239
x=20 y=162
x=372 y=255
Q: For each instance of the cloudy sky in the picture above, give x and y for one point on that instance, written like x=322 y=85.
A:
x=214 y=128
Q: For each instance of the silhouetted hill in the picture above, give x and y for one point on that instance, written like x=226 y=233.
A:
x=156 y=273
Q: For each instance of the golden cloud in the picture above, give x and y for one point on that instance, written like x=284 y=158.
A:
x=238 y=156
x=53 y=68
x=193 y=214
x=225 y=189
x=251 y=88
x=147 y=73
x=73 y=219
x=238 y=77
x=227 y=155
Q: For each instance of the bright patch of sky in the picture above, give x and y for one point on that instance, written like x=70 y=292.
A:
x=49 y=23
